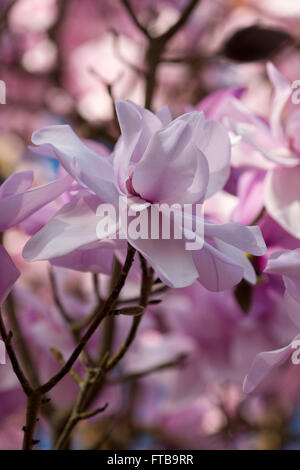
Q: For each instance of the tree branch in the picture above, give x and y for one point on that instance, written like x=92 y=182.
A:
x=7 y=337
x=105 y=311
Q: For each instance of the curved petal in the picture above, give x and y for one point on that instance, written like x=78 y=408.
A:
x=74 y=226
x=168 y=166
x=98 y=260
x=238 y=257
x=292 y=287
x=85 y=165
x=16 y=183
x=245 y=238
x=282 y=92
x=14 y=209
x=172 y=262
x=213 y=105
x=164 y=115
x=250 y=194
x=9 y=274
x=284 y=263
x=282 y=198
x=264 y=363
x=216 y=271
x=214 y=142
x=130 y=121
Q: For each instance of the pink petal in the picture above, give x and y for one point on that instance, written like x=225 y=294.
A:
x=16 y=183
x=282 y=92
x=171 y=261
x=238 y=257
x=98 y=260
x=282 y=198
x=216 y=271
x=168 y=166
x=245 y=238
x=264 y=363
x=284 y=262
x=86 y=166
x=74 y=226
x=9 y=274
x=251 y=196
x=214 y=142
x=14 y=209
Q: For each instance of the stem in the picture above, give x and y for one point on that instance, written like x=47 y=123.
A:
x=34 y=401
x=105 y=311
x=7 y=337
x=22 y=347
x=147 y=281
x=77 y=413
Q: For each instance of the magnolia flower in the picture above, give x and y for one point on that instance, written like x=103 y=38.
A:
x=287 y=264
x=271 y=148
x=17 y=202
x=156 y=160
x=265 y=362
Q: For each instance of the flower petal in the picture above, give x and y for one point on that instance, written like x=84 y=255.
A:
x=14 y=209
x=214 y=142
x=238 y=257
x=282 y=198
x=264 y=363
x=285 y=263
x=86 y=166
x=168 y=166
x=74 y=226
x=16 y=183
x=245 y=238
x=216 y=271
x=282 y=92
x=9 y=274
x=172 y=262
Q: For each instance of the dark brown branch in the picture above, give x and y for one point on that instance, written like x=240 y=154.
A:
x=178 y=361
x=105 y=311
x=34 y=402
x=57 y=300
x=26 y=358
x=133 y=16
x=180 y=23
x=147 y=281
x=78 y=412
x=7 y=337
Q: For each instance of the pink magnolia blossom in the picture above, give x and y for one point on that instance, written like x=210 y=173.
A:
x=285 y=263
x=271 y=147
x=156 y=160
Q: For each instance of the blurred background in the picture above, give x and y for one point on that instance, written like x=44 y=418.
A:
x=180 y=386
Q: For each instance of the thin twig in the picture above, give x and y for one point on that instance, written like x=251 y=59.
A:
x=105 y=311
x=57 y=300
x=134 y=18
x=147 y=280
x=78 y=412
x=7 y=337
x=178 y=361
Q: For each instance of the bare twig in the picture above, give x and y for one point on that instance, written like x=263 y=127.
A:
x=78 y=412
x=57 y=300
x=147 y=280
x=134 y=18
x=105 y=311
x=7 y=337
x=178 y=361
